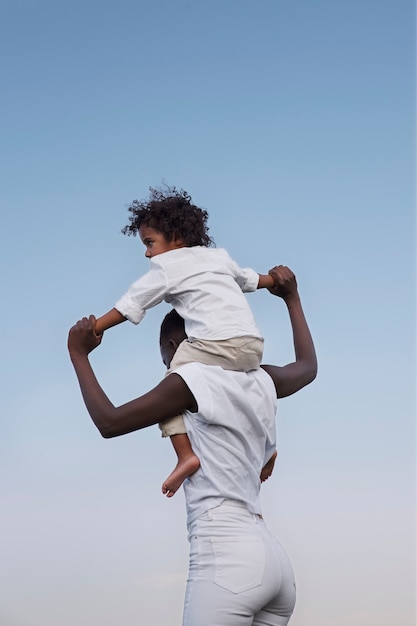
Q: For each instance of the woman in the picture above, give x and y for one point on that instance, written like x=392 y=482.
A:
x=239 y=573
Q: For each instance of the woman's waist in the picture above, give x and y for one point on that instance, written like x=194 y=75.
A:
x=229 y=518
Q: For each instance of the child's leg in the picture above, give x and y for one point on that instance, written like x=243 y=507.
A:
x=174 y=427
x=241 y=353
x=187 y=464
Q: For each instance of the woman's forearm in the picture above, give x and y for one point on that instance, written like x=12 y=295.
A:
x=303 y=341
x=98 y=405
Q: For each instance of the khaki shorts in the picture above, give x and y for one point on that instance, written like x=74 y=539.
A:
x=240 y=354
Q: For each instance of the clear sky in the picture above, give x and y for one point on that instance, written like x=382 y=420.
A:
x=293 y=124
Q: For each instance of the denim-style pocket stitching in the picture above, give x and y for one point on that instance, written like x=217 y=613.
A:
x=239 y=562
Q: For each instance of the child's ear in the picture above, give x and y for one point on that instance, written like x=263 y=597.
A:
x=179 y=241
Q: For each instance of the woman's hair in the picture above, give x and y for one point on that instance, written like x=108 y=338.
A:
x=172 y=326
x=171 y=212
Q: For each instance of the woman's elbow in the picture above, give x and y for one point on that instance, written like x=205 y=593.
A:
x=110 y=430
x=106 y=434
x=310 y=373
x=307 y=375
x=106 y=427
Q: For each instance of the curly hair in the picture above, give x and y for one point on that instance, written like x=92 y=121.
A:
x=171 y=212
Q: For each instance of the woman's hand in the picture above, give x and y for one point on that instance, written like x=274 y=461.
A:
x=285 y=282
x=82 y=338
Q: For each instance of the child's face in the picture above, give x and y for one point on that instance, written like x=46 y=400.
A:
x=156 y=243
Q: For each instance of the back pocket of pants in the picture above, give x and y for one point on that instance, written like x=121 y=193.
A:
x=239 y=562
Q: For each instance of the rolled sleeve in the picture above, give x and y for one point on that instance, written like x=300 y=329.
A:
x=247 y=279
x=130 y=309
x=145 y=293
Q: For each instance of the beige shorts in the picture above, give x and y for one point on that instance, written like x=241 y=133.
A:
x=240 y=354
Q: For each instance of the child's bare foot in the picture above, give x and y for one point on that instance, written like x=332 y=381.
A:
x=183 y=469
x=267 y=469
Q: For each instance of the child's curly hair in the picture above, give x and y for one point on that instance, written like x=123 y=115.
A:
x=171 y=212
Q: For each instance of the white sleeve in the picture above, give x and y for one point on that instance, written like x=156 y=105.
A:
x=193 y=374
x=246 y=278
x=146 y=292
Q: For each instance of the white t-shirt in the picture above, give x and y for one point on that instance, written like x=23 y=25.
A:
x=233 y=434
x=205 y=287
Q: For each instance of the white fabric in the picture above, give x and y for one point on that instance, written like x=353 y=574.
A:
x=239 y=573
x=238 y=354
x=233 y=434
x=205 y=287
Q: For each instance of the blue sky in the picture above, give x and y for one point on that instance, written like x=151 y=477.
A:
x=293 y=124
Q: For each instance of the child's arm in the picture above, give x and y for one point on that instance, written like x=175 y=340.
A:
x=112 y=318
x=265 y=281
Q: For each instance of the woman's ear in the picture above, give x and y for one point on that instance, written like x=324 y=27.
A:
x=174 y=345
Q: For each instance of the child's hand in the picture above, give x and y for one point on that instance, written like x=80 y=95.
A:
x=268 y=468
x=82 y=338
x=285 y=281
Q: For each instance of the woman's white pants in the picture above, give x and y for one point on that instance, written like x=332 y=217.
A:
x=239 y=573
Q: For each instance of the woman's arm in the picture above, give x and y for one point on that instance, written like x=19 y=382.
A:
x=294 y=376
x=171 y=397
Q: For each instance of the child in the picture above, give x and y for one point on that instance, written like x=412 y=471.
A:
x=204 y=285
